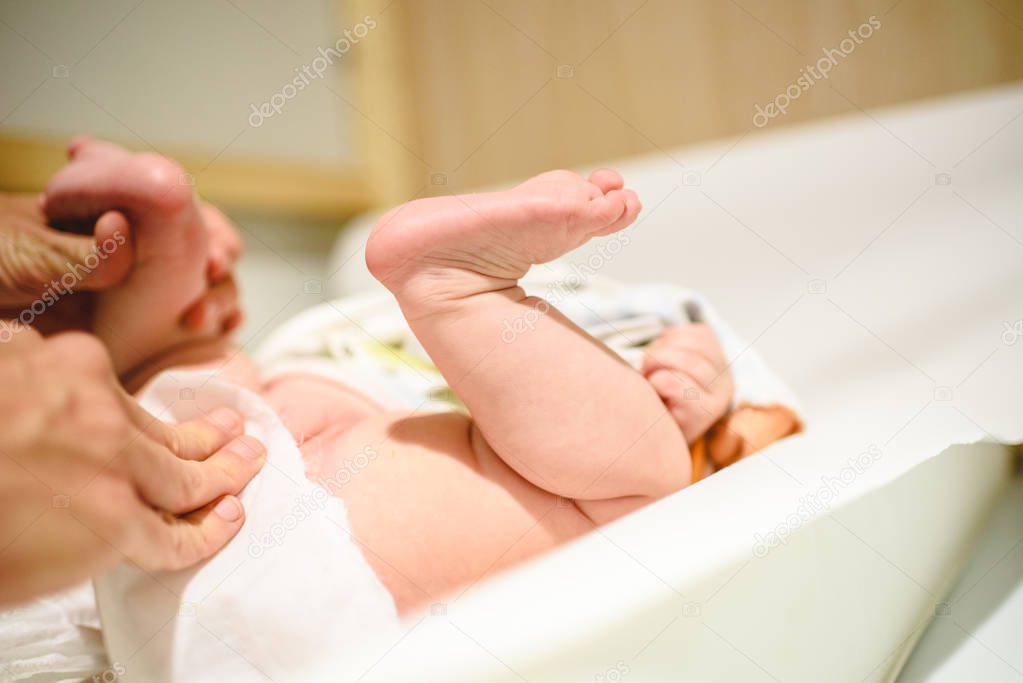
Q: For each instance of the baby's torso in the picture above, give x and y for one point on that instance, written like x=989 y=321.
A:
x=431 y=506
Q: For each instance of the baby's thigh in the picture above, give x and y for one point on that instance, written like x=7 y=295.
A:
x=430 y=513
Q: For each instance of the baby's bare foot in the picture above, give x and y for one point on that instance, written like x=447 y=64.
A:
x=140 y=316
x=688 y=369
x=446 y=248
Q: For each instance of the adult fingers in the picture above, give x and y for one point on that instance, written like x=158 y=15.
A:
x=36 y=259
x=169 y=542
x=178 y=486
x=195 y=439
x=111 y=244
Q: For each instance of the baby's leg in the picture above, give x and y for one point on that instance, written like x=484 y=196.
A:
x=139 y=317
x=555 y=404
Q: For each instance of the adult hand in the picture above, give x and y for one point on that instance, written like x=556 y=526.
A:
x=87 y=477
x=41 y=266
x=217 y=311
x=35 y=258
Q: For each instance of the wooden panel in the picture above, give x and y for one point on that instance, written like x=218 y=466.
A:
x=270 y=188
x=496 y=89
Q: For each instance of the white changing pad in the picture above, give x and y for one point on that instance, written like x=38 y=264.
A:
x=875 y=262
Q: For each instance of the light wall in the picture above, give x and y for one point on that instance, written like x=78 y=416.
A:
x=181 y=74
x=181 y=77
x=471 y=92
x=442 y=95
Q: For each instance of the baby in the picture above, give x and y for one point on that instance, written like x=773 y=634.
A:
x=561 y=434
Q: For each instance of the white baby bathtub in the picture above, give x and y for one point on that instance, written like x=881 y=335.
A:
x=874 y=262
x=663 y=595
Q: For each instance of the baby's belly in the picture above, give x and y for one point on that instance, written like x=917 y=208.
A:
x=432 y=513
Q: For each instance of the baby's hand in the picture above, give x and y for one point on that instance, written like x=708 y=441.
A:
x=687 y=368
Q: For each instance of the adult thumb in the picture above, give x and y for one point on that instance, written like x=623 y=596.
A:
x=41 y=260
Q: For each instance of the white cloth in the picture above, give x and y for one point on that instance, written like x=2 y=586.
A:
x=365 y=342
x=287 y=597
x=53 y=639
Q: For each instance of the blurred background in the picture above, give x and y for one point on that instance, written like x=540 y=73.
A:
x=302 y=118
x=296 y=116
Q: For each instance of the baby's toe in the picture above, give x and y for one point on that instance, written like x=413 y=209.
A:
x=559 y=175
x=631 y=207
x=607 y=179
x=612 y=212
x=225 y=243
x=87 y=147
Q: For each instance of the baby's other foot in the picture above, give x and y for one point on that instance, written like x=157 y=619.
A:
x=687 y=368
x=451 y=247
x=139 y=317
x=225 y=244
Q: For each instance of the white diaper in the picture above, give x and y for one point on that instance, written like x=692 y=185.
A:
x=55 y=639
x=287 y=597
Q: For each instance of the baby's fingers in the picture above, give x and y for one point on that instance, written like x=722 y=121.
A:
x=696 y=337
x=685 y=400
x=680 y=361
x=672 y=385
